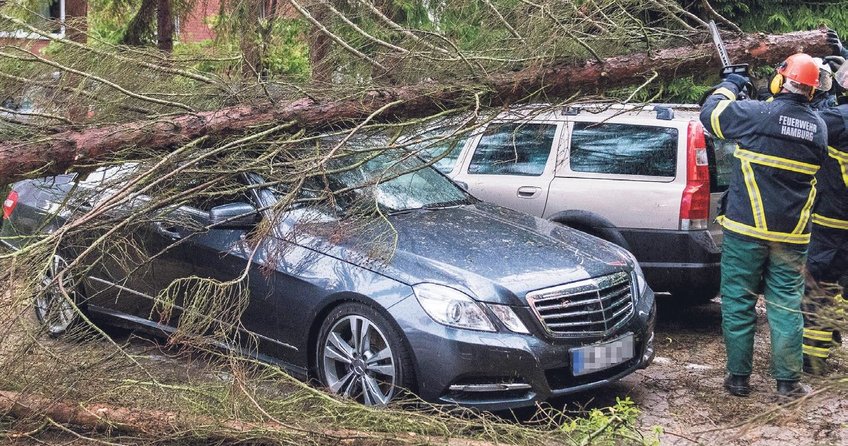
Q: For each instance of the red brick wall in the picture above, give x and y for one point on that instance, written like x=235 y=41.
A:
x=194 y=27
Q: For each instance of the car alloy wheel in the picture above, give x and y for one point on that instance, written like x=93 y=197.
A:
x=360 y=356
x=52 y=308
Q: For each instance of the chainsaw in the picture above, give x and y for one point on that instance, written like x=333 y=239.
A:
x=727 y=67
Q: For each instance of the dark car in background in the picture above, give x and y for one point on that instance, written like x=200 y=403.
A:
x=476 y=304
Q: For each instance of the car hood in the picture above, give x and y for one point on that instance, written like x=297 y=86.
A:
x=489 y=252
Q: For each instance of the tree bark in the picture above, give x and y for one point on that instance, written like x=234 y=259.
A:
x=140 y=24
x=110 y=418
x=62 y=150
x=164 y=26
x=76 y=16
x=319 y=47
x=251 y=43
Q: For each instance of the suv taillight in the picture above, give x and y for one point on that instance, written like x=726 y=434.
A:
x=695 y=203
x=9 y=204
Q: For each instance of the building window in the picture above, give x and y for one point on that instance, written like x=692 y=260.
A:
x=50 y=17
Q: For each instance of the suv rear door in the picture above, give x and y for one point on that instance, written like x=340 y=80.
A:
x=512 y=164
x=624 y=171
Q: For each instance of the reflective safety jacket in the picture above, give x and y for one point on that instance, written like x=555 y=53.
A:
x=831 y=208
x=780 y=147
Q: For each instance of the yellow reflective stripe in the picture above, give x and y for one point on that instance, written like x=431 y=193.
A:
x=830 y=222
x=842 y=158
x=754 y=196
x=818 y=335
x=836 y=153
x=776 y=161
x=763 y=234
x=714 y=122
x=805 y=212
x=818 y=352
x=726 y=92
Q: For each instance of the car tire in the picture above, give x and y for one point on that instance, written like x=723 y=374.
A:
x=371 y=372
x=591 y=224
x=54 y=311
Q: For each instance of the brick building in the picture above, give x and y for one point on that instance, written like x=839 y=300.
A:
x=193 y=27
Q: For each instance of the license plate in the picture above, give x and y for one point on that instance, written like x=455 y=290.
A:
x=596 y=357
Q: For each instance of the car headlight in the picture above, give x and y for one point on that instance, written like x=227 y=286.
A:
x=451 y=307
x=639 y=275
x=509 y=318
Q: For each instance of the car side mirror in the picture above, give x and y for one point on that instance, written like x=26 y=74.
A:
x=233 y=216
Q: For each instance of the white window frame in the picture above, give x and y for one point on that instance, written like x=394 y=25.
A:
x=26 y=35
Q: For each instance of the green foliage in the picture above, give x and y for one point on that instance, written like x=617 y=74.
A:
x=108 y=20
x=287 y=52
x=778 y=16
x=611 y=426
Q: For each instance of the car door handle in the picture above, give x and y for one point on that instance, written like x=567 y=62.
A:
x=168 y=231
x=528 y=191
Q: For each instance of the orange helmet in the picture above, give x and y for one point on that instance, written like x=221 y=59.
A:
x=800 y=68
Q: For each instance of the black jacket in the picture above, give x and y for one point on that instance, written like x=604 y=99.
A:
x=831 y=209
x=780 y=147
x=828 y=251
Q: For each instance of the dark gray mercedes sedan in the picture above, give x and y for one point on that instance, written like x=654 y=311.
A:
x=453 y=299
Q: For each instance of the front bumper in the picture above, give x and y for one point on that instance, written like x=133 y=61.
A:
x=674 y=260
x=505 y=370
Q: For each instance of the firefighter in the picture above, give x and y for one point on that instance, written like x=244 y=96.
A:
x=827 y=263
x=766 y=227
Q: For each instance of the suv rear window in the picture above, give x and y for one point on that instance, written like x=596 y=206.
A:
x=513 y=149
x=624 y=149
x=720 y=152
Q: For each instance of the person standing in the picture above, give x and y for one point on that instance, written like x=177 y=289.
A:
x=827 y=263
x=781 y=145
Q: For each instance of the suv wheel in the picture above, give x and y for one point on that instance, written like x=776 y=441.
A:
x=53 y=309
x=361 y=356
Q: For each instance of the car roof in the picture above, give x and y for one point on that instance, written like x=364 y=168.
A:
x=600 y=111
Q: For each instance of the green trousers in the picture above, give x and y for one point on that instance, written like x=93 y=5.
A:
x=745 y=264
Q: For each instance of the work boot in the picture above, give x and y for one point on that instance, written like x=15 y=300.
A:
x=791 y=390
x=738 y=385
x=816 y=366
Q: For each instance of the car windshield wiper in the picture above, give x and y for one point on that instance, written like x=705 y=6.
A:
x=433 y=206
x=447 y=204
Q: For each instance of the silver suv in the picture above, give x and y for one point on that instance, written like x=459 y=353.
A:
x=646 y=178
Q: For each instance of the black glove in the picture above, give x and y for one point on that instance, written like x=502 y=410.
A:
x=834 y=62
x=835 y=44
x=740 y=81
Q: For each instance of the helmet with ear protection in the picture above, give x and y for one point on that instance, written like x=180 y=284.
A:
x=799 y=68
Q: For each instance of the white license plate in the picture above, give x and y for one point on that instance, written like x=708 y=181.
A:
x=595 y=357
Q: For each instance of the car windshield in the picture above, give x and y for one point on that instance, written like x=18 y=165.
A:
x=395 y=180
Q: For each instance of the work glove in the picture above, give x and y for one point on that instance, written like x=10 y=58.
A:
x=834 y=62
x=835 y=44
x=740 y=81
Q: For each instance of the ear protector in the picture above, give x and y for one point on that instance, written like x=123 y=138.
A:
x=776 y=84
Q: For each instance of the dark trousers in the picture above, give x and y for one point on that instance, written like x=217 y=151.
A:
x=745 y=264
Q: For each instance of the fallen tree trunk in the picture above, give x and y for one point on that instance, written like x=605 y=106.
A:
x=161 y=425
x=60 y=151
